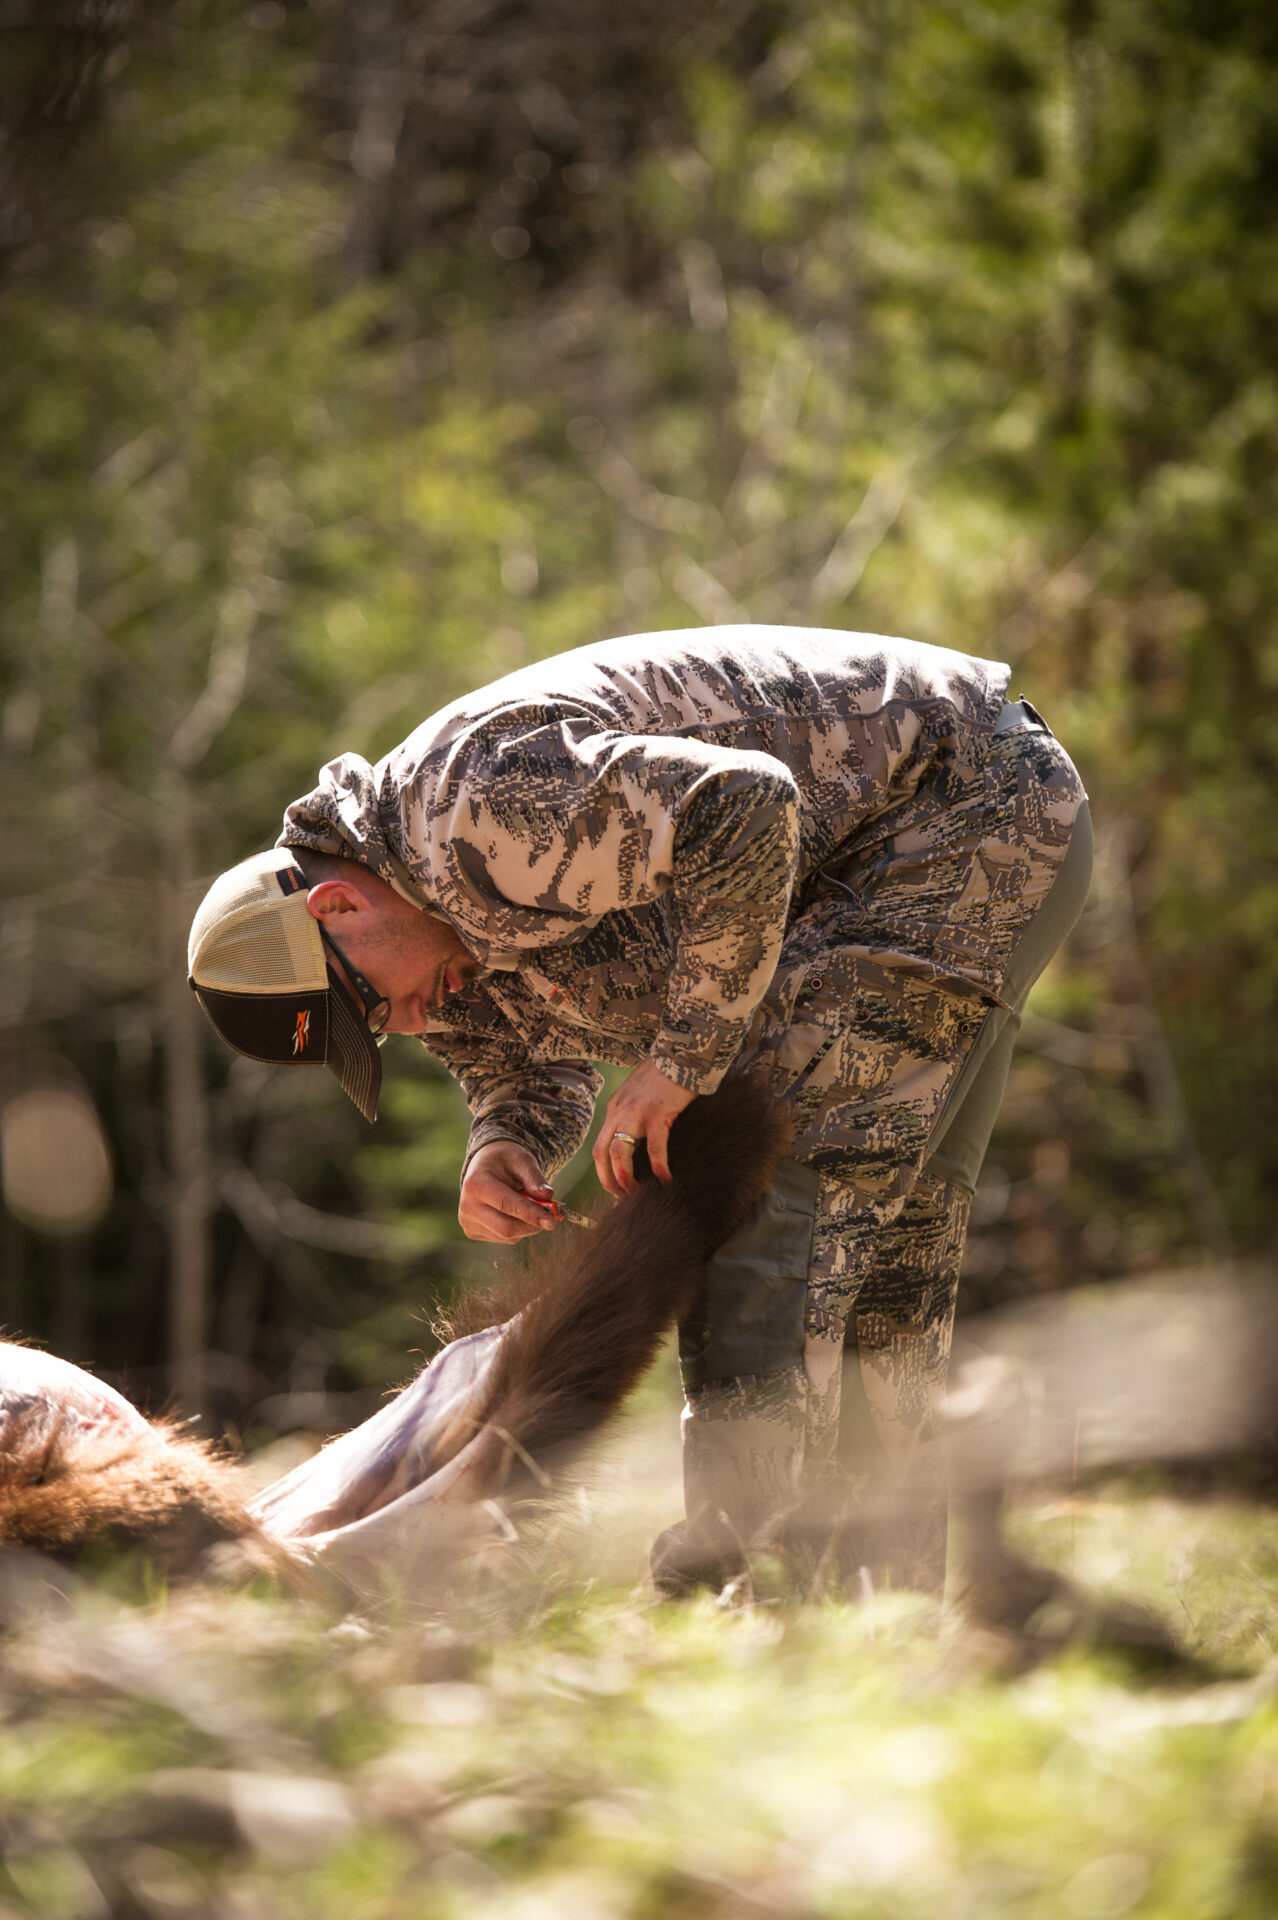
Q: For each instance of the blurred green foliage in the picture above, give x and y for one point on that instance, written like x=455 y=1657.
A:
x=350 y=357
x=547 y=1741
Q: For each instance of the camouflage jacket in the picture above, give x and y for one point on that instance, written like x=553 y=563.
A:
x=623 y=834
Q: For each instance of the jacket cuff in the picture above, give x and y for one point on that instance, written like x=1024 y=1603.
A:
x=484 y=1132
x=698 y=1061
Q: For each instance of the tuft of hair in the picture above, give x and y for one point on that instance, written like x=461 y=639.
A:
x=64 y=1489
x=590 y=1311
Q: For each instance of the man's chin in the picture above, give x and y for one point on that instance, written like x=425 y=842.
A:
x=410 y=1025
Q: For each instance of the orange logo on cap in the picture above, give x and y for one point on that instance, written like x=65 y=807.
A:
x=303 y=1034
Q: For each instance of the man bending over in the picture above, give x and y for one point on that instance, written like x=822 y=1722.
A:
x=840 y=858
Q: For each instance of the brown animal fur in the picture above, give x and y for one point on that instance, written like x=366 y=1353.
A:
x=63 y=1489
x=594 y=1306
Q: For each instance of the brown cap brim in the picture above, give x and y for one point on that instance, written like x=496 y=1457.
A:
x=353 y=1054
x=320 y=1029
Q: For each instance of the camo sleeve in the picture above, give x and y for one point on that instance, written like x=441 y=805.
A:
x=736 y=850
x=546 y=1105
x=547 y=828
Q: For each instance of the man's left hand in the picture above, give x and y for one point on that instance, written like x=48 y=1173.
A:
x=645 y=1105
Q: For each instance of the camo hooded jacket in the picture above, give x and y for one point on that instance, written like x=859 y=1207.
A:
x=623 y=834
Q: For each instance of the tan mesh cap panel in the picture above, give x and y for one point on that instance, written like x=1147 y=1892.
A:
x=251 y=936
x=257 y=963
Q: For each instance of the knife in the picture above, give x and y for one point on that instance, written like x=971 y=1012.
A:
x=557 y=1211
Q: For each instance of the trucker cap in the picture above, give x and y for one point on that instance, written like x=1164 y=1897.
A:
x=258 y=966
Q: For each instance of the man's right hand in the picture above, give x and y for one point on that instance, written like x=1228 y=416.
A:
x=495 y=1194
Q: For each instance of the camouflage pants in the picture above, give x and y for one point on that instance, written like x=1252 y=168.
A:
x=814 y=1364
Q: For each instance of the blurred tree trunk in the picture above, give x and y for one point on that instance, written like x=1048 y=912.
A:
x=190 y=1185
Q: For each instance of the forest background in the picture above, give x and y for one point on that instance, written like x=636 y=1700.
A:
x=354 y=353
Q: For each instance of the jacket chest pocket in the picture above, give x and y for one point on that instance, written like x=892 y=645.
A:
x=621 y=1002
x=805 y=1012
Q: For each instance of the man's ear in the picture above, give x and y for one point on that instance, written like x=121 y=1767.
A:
x=333 y=897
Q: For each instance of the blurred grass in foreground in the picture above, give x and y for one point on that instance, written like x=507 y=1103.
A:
x=557 y=1744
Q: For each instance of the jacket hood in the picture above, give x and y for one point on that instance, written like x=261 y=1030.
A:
x=343 y=816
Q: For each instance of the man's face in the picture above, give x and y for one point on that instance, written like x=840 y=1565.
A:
x=412 y=957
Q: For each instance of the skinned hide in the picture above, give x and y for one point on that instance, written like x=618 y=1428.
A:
x=80 y=1466
x=490 y=1415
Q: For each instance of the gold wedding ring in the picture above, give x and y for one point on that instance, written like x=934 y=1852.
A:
x=629 y=1138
